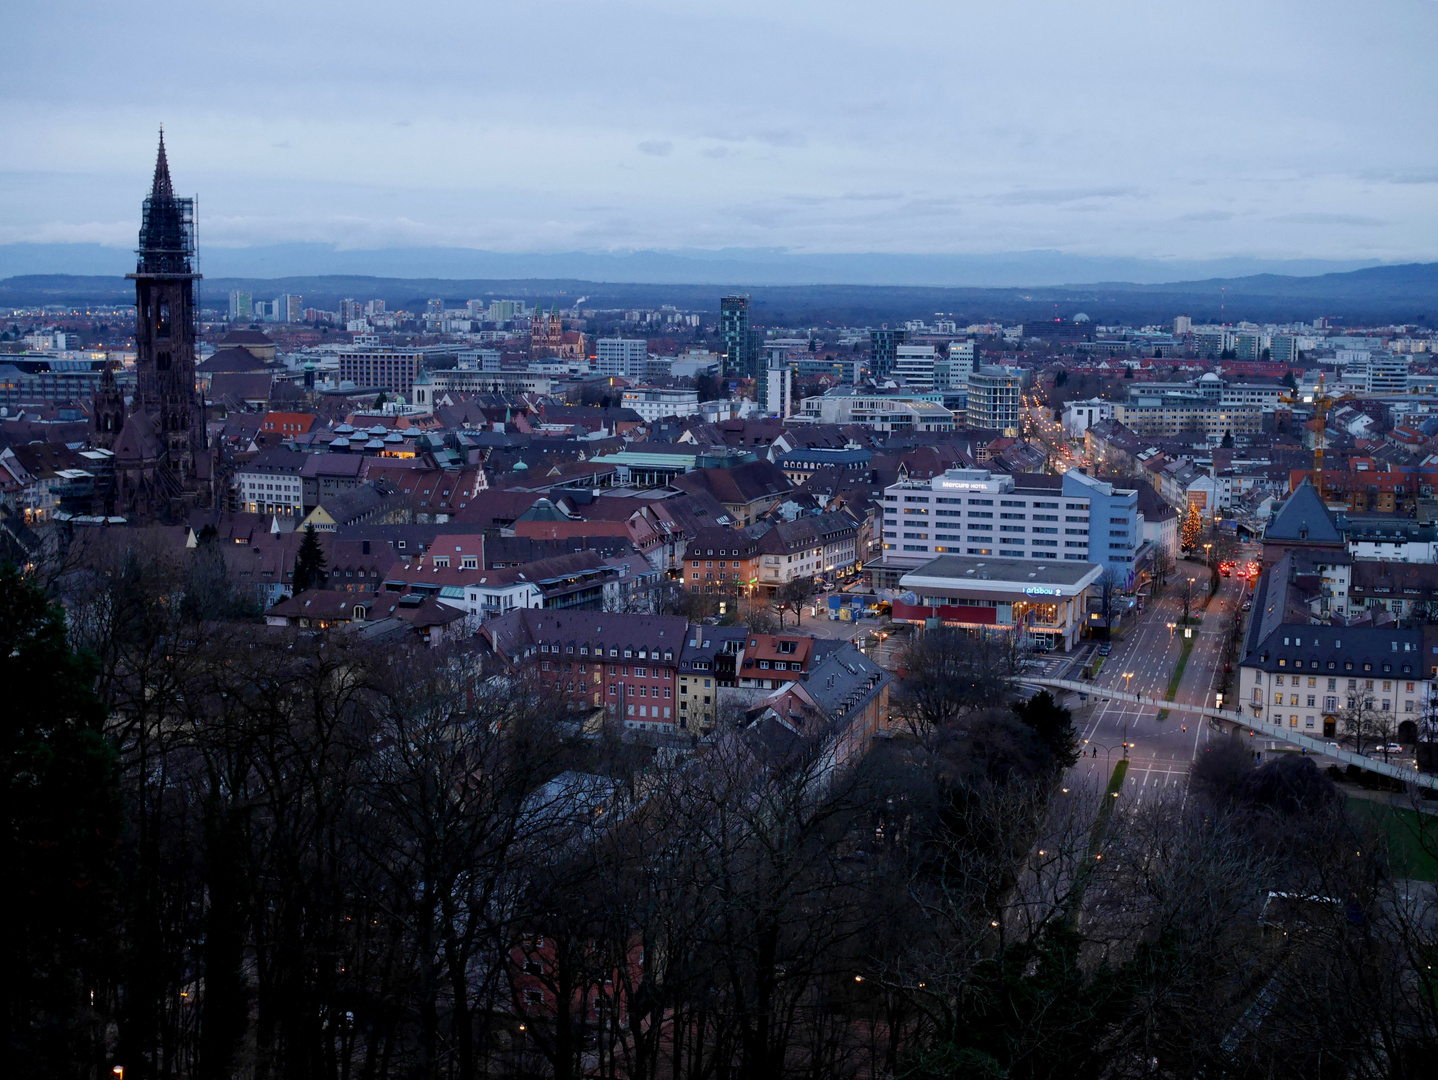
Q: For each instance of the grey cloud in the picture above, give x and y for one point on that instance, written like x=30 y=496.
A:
x=1327 y=219
x=1058 y=196
x=780 y=138
x=657 y=147
x=1206 y=215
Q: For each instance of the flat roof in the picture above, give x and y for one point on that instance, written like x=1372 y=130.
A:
x=997 y=573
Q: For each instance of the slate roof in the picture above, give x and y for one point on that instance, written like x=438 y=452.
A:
x=518 y=633
x=233 y=359
x=1303 y=518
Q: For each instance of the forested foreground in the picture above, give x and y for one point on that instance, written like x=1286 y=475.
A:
x=246 y=852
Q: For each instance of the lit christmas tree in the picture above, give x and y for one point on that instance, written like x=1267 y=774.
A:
x=1192 y=528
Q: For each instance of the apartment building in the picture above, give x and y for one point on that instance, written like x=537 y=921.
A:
x=882 y=412
x=393 y=370
x=625 y=664
x=620 y=356
x=271 y=483
x=1303 y=677
x=1184 y=414
x=656 y=404
x=994 y=398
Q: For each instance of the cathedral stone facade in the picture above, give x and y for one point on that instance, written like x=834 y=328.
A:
x=163 y=465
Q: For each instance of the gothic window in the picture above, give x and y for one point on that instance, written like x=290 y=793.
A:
x=162 y=320
x=162 y=361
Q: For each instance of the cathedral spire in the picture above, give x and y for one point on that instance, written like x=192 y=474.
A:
x=162 y=188
x=167 y=240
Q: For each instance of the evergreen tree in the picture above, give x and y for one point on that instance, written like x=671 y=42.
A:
x=61 y=823
x=1052 y=723
x=310 y=572
x=1192 y=528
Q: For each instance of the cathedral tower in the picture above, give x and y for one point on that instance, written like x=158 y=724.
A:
x=165 y=325
x=163 y=467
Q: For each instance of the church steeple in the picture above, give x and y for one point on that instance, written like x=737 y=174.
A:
x=162 y=188
x=167 y=241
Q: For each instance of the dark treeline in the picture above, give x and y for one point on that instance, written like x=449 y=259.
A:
x=248 y=852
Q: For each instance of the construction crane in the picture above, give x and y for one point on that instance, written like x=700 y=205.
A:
x=1322 y=401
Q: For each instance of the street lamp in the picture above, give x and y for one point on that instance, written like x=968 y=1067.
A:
x=1206 y=548
x=1171 y=627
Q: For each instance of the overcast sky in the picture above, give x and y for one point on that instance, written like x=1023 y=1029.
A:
x=1156 y=129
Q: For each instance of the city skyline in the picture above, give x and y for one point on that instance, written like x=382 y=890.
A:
x=1111 y=131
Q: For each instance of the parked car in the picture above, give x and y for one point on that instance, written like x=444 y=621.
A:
x=1105 y=648
x=1391 y=748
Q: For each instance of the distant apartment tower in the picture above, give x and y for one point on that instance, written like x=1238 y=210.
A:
x=961 y=364
x=350 y=309
x=737 y=338
x=775 y=390
x=1182 y=324
x=1284 y=348
x=435 y=307
x=374 y=307
x=994 y=399
x=242 y=306
x=884 y=351
x=501 y=311
x=1248 y=345
x=620 y=356
x=289 y=308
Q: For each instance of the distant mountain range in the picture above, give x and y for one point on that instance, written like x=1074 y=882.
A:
x=1392 y=293
x=726 y=267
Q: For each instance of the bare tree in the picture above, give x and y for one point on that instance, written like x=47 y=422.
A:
x=948 y=672
x=1360 y=721
x=792 y=596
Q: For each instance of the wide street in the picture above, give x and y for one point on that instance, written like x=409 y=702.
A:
x=1159 y=750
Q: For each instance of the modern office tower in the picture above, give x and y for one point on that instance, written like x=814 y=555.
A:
x=242 y=306
x=916 y=366
x=994 y=399
x=883 y=351
x=620 y=356
x=737 y=340
x=1388 y=372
